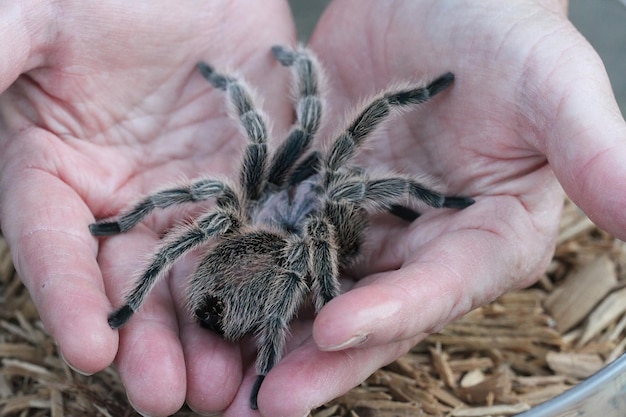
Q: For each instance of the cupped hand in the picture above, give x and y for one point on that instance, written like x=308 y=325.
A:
x=104 y=103
x=530 y=111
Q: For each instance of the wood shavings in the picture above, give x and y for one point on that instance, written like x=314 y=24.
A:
x=576 y=365
x=611 y=309
x=491 y=388
x=440 y=361
x=571 y=302
x=494 y=410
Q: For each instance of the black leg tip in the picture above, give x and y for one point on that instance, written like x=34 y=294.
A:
x=255 y=392
x=440 y=83
x=105 y=228
x=120 y=316
x=458 y=202
x=283 y=55
x=404 y=213
x=208 y=72
x=205 y=69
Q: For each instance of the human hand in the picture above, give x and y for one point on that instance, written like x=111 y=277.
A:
x=108 y=106
x=530 y=100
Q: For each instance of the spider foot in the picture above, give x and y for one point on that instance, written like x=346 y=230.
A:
x=120 y=316
x=457 y=202
x=404 y=213
x=217 y=80
x=283 y=55
x=440 y=83
x=255 y=392
x=105 y=228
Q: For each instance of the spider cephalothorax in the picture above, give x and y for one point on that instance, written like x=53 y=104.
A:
x=292 y=221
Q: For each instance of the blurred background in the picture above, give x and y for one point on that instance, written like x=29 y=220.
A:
x=602 y=22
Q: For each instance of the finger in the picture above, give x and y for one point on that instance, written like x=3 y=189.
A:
x=307 y=377
x=214 y=366
x=45 y=224
x=27 y=27
x=151 y=363
x=150 y=358
x=497 y=246
x=585 y=141
x=214 y=371
x=240 y=406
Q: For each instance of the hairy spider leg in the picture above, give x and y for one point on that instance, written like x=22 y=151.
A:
x=306 y=168
x=198 y=190
x=312 y=255
x=378 y=110
x=254 y=123
x=410 y=215
x=308 y=106
x=311 y=165
x=291 y=292
x=383 y=192
x=323 y=260
x=207 y=227
x=404 y=213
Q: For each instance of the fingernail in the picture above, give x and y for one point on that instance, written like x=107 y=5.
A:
x=350 y=343
x=142 y=413
x=204 y=413
x=69 y=365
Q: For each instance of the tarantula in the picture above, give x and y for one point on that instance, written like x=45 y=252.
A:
x=295 y=218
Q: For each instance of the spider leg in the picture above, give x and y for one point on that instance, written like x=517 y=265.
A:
x=347 y=143
x=409 y=215
x=255 y=392
x=253 y=122
x=457 y=202
x=389 y=192
x=289 y=291
x=207 y=227
x=199 y=190
x=311 y=165
x=308 y=111
x=323 y=260
x=306 y=168
x=404 y=213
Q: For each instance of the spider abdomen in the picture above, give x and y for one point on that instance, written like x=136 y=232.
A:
x=232 y=284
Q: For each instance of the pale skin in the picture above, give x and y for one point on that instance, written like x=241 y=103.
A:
x=109 y=106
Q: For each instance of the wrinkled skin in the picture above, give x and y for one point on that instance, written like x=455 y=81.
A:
x=103 y=103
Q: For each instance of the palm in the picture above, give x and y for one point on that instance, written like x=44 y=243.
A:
x=481 y=137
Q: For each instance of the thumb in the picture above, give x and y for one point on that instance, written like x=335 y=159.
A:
x=585 y=137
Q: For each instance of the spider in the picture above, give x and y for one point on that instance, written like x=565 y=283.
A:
x=295 y=218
